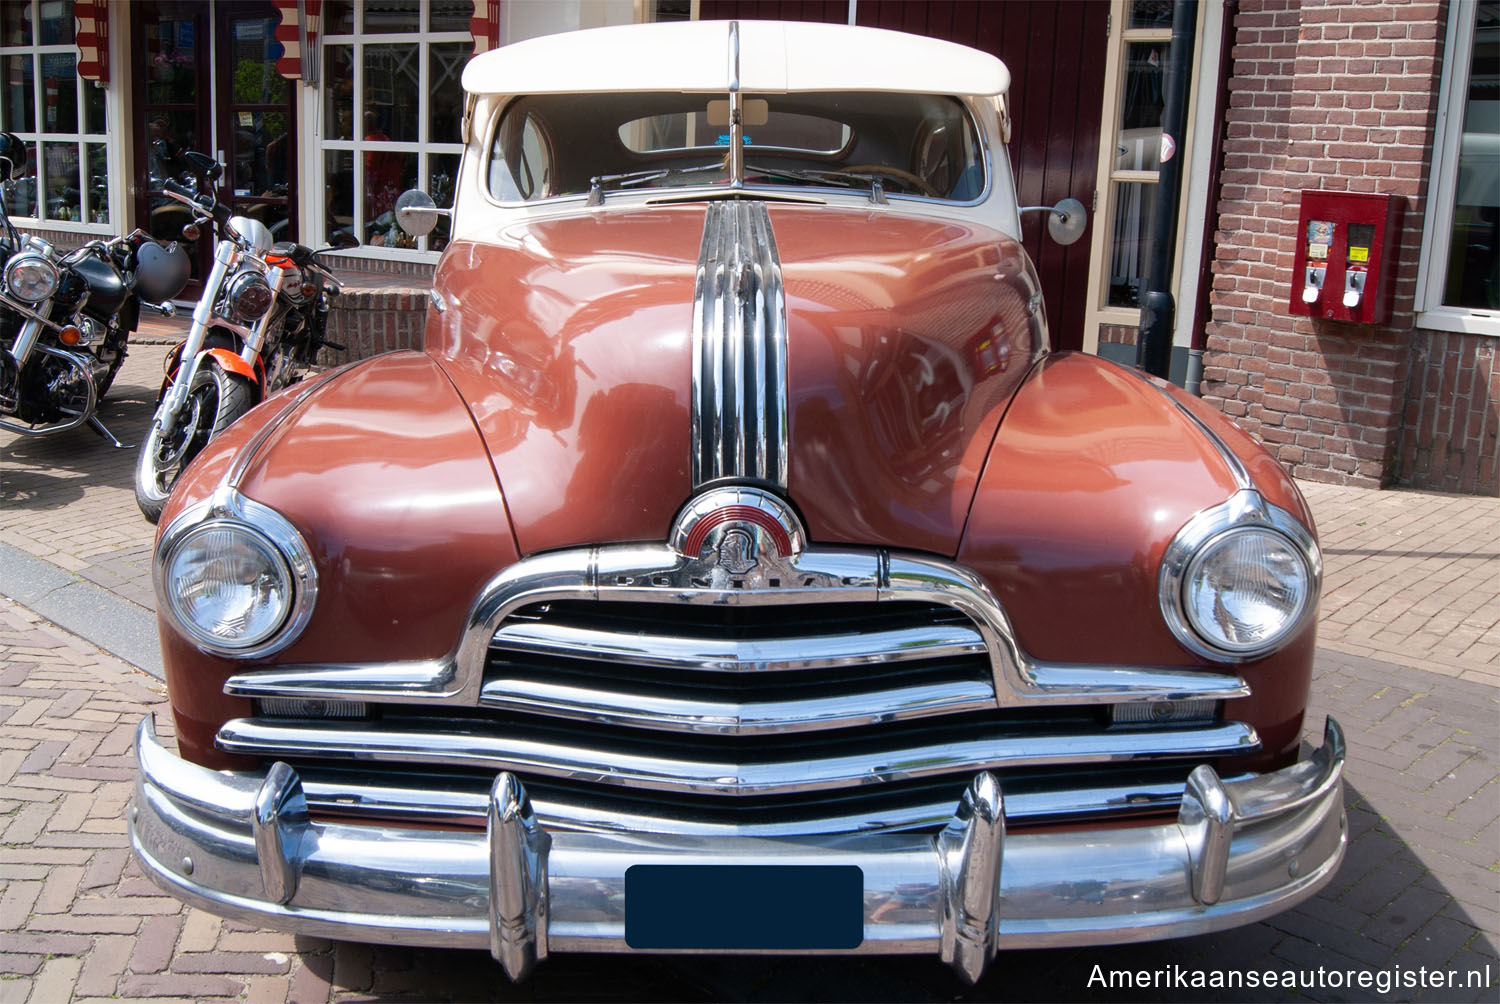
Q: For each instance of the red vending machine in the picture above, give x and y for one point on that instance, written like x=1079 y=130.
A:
x=1345 y=265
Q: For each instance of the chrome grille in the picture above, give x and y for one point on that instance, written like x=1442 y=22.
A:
x=632 y=702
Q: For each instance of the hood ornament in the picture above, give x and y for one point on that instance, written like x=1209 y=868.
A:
x=737 y=529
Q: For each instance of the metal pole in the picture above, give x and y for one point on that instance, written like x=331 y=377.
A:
x=1153 y=345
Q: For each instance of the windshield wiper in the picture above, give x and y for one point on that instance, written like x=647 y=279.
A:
x=841 y=179
x=628 y=178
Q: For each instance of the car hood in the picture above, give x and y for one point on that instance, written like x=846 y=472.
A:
x=571 y=340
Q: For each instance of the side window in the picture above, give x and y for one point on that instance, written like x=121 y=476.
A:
x=521 y=160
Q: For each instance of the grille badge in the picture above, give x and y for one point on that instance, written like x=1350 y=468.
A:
x=738 y=529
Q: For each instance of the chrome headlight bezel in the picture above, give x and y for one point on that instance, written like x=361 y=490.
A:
x=1246 y=512
x=41 y=268
x=250 y=284
x=230 y=510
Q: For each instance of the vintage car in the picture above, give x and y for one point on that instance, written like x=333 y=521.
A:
x=735 y=568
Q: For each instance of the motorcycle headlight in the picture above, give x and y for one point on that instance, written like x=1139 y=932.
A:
x=1239 y=580
x=249 y=295
x=31 y=277
x=235 y=587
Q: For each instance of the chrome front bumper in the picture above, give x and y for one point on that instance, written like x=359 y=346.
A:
x=241 y=845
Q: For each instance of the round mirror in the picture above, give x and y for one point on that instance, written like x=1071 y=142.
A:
x=1067 y=220
x=416 y=213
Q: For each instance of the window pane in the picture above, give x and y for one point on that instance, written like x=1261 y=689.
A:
x=446 y=107
x=168 y=134
x=1473 y=278
x=1138 y=147
x=1130 y=256
x=338 y=179
x=172 y=74
x=338 y=17
x=452 y=15
x=441 y=176
x=1150 y=14
x=387 y=175
x=15 y=23
x=57 y=22
x=60 y=92
x=61 y=174
x=20 y=198
x=386 y=17
x=20 y=100
x=251 y=67
x=96 y=162
x=392 y=93
x=338 y=92
x=93 y=108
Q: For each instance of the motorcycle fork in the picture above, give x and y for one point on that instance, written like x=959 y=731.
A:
x=225 y=257
x=25 y=340
x=256 y=343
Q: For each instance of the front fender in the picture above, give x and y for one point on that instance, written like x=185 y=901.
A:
x=382 y=472
x=1093 y=471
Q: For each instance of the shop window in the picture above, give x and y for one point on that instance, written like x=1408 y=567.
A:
x=58 y=114
x=391 y=107
x=1460 y=283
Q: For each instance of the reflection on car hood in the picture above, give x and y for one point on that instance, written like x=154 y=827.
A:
x=572 y=341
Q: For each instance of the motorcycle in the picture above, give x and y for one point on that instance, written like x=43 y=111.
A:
x=258 y=326
x=65 y=318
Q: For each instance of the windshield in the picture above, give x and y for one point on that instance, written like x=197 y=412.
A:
x=917 y=145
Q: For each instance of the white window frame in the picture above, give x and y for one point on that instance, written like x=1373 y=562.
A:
x=1437 y=233
x=358 y=146
x=80 y=139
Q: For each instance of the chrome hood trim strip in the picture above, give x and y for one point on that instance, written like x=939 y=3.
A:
x=739 y=407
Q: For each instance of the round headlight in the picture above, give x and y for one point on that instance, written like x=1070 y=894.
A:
x=30 y=277
x=228 y=586
x=1246 y=589
x=249 y=295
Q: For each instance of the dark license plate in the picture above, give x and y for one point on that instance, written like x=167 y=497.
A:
x=728 y=907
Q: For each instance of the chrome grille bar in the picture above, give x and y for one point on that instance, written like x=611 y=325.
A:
x=469 y=743
x=601 y=703
x=383 y=799
x=731 y=655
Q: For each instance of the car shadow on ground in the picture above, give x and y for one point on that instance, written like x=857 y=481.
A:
x=1384 y=909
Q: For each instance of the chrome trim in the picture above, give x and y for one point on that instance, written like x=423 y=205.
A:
x=736 y=112
x=739 y=406
x=85 y=373
x=1243 y=510
x=513 y=748
x=656 y=573
x=709 y=503
x=228 y=505
x=379 y=798
x=518 y=878
x=730 y=655
x=421 y=886
x=597 y=703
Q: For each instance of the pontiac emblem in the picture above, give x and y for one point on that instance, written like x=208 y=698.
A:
x=737 y=551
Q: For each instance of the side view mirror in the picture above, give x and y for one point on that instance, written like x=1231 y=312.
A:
x=203 y=165
x=417 y=214
x=1066 y=221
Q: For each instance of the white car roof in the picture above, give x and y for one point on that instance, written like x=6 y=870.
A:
x=775 y=57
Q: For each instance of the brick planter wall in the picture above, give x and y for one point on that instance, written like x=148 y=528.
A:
x=1451 y=436
x=369 y=322
x=1335 y=95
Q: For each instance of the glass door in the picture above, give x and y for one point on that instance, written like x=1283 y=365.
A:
x=171 y=114
x=257 y=125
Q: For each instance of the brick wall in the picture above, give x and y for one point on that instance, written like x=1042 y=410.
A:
x=369 y=322
x=1451 y=435
x=1338 y=95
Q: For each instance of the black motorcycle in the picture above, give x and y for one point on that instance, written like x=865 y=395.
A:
x=65 y=317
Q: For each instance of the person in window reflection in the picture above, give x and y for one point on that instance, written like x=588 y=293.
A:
x=382 y=179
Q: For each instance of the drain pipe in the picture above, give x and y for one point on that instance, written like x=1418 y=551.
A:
x=1153 y=346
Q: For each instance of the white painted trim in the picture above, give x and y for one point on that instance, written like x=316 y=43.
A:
x=1437 y=231
x=1197 y=178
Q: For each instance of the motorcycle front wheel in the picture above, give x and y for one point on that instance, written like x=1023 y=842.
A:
x=215 y=399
